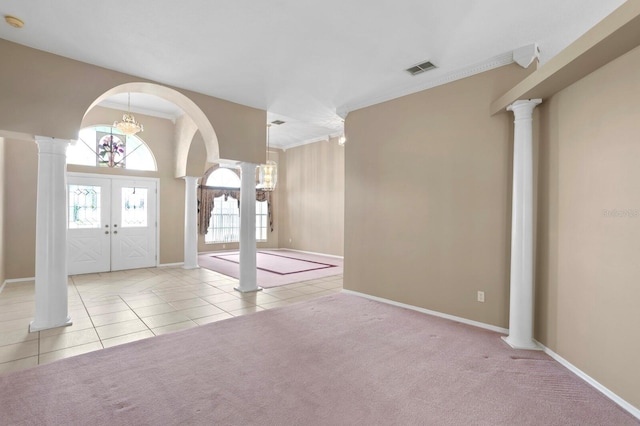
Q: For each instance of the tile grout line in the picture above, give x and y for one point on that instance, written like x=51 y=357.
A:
x=88 y=313
x=138 y=316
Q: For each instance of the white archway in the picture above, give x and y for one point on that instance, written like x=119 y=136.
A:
x=194 y=120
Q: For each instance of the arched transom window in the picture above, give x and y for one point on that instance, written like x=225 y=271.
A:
x=106 y=146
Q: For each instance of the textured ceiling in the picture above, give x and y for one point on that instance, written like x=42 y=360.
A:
x=305 y=62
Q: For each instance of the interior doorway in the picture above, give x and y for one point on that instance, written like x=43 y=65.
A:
x=112 y=223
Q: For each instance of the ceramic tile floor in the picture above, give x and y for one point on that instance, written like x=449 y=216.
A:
x=113 y=308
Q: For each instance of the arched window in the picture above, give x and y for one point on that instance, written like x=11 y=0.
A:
x=224 y=224
x=105 y=146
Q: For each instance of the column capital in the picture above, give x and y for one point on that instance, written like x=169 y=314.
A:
x=524 y=108
x=191 y=179
x=248 y=166
x=47 y=145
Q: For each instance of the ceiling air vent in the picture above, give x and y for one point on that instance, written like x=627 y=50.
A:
x=277 y=122
x=420 y=68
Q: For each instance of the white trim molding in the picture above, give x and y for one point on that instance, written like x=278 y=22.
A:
x=634 y=411
x=14 y=281
x=430 y=312
x=593 y=382
x=307 y=252
x=169 y=265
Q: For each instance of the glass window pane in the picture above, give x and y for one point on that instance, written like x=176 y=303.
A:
x=84 y=207
x=224 y=178
x=139 y=156
x=81 y=151
x=134 y=207
x=95 y=144
x=224 y=224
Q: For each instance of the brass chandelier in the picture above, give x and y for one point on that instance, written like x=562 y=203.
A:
x=268 y=172
x=128 y=125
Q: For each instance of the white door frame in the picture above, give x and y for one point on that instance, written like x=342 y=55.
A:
x=130 y=177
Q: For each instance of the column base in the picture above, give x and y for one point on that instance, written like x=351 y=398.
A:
x=35 y=327
x=191 y=267
x=247 y=291
x=532 y=346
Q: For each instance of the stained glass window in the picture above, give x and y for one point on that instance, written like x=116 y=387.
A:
x=111 y=150
x=134 y=207
x=84 y=206
x=105 y=146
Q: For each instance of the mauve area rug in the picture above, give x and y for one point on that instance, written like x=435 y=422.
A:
x=276 y=267
x=277 y=263
x=337 y=360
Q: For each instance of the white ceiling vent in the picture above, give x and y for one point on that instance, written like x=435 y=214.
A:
x=420 y=68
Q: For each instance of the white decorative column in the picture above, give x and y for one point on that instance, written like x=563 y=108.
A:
x=521 y=302
x=51 y=298
x=248 y=267
x=191 y=223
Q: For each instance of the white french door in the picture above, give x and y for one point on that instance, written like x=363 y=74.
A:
x=112 y=223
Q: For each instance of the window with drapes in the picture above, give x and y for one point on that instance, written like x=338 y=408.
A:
x=219 y=204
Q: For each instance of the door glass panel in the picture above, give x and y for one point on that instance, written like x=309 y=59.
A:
x=134 y=207
x=84 y=206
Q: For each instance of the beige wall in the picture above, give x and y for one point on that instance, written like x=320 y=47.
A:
x=588 y=268
x=2 y=204
x=20 y=183
x=47 y=95
x=312 y=208
x=427 y=212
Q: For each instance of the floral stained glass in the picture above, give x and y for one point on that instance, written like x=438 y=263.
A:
x=134 y=207
x=111 y=150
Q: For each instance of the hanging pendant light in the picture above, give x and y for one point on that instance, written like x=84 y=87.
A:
x=268 y=172
x=128 y=125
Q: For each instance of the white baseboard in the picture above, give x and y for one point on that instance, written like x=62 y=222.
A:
x=594 y=383
x=15 y=280
x=634 y=411
x=430 y=312
x=167 y=265
x=308 y=252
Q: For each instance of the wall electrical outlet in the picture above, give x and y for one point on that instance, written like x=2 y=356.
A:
x=481 y=296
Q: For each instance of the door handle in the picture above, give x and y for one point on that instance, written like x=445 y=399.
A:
x=106 y=232
x=115 y=232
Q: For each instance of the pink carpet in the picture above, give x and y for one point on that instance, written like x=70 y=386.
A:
x=276 y=267
x=337 y=360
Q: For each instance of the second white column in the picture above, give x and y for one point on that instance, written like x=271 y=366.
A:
x=248 y=266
